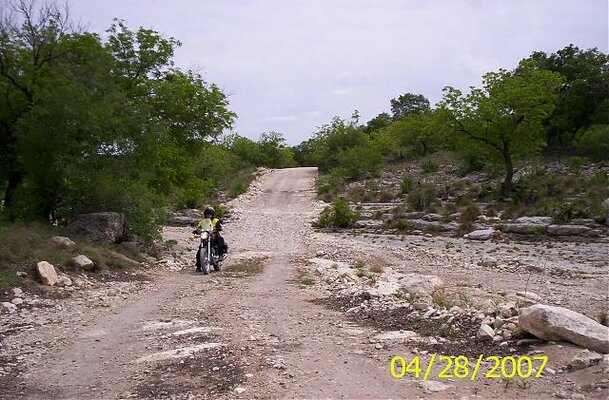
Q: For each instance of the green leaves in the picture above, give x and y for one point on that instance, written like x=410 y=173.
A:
x=89 y=126
x=506 y=115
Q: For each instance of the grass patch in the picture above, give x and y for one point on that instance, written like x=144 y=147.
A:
x=8 y=279
x=248 y=267
x=23 y=245
x=303 y=279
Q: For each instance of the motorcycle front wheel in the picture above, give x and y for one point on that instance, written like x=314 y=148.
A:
x=204 y=263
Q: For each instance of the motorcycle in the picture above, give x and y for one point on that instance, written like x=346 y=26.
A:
x=208 y=254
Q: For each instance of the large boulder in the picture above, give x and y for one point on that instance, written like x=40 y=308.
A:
x=420 y=285
x=527 y=229
x=102 y=226
x=186 y=217
x=46 y=272
x=560 y=324
x=567 y=230
x=482 y=234
x=535 y=220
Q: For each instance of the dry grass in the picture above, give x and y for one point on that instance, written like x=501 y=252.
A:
x=377 y=269
x=248 y=267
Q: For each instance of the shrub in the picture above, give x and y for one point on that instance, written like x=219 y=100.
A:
x=575 y=164
x=471 y=161
x=595 y=142
x=469 y=213
x=429 y=166
x=407 y=184
x=422 y=198
x=338 y=215
x=328 y=186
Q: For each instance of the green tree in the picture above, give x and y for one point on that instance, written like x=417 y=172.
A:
x=30 y=43
x=377 y=123
x=583 y=98
x=423 y=133
x=506 y=115
x=408 y=103
x=80 y=117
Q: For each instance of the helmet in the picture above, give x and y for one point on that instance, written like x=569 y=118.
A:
x=209 y=210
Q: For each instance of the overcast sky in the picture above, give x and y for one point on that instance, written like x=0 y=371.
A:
x=291 y=65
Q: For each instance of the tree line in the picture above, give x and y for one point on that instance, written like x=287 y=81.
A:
x=556 y=104
x=90 y=124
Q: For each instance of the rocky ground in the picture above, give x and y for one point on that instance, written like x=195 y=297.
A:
x=302 y=314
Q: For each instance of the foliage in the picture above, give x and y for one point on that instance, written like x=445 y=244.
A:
x=408 y=104
x=429 y=166
x=422 y=133
x=81 y=116
x=549 y=193
x=506 y=115
x=338 y=215
x=595 y=143
x=422 y=198
x=584 y=96
x=407 y=184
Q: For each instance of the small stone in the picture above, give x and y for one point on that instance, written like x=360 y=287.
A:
x=605 y=364
x=83 y=262
x=485 y=333
x=17 y=301
x=239 y=390
x=433 y=386
x=10 y=307
x=487 y=261
x=584 y=359
x=64 y=281
x=62 y=241
x=17 y=292
x=215 y=369
x=420 y=306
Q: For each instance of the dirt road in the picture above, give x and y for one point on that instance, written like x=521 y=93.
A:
x=251 y=331
x=184 y=334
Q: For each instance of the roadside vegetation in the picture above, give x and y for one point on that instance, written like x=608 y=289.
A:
x=106 y=122
x=530 y=141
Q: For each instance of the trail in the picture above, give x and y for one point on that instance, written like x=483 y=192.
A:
x=288 y=346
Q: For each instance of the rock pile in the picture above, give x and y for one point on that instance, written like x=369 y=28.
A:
x=420 y=298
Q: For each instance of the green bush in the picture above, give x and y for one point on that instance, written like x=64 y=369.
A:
x=575 y=164
x=338 y=215
x=406 y=184
x=328 y=186
x=428 y=166
x=595 y=143
x=472 y=161
x=423 y=198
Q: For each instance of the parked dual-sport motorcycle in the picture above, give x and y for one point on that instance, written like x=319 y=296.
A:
x=208 y=254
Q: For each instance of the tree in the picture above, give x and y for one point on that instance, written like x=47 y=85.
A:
x=408 y=103
x=80 y=117
x=29 y=46
x=506 y=115
x=421 y=132
x=583 y=98
x=377 y=123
